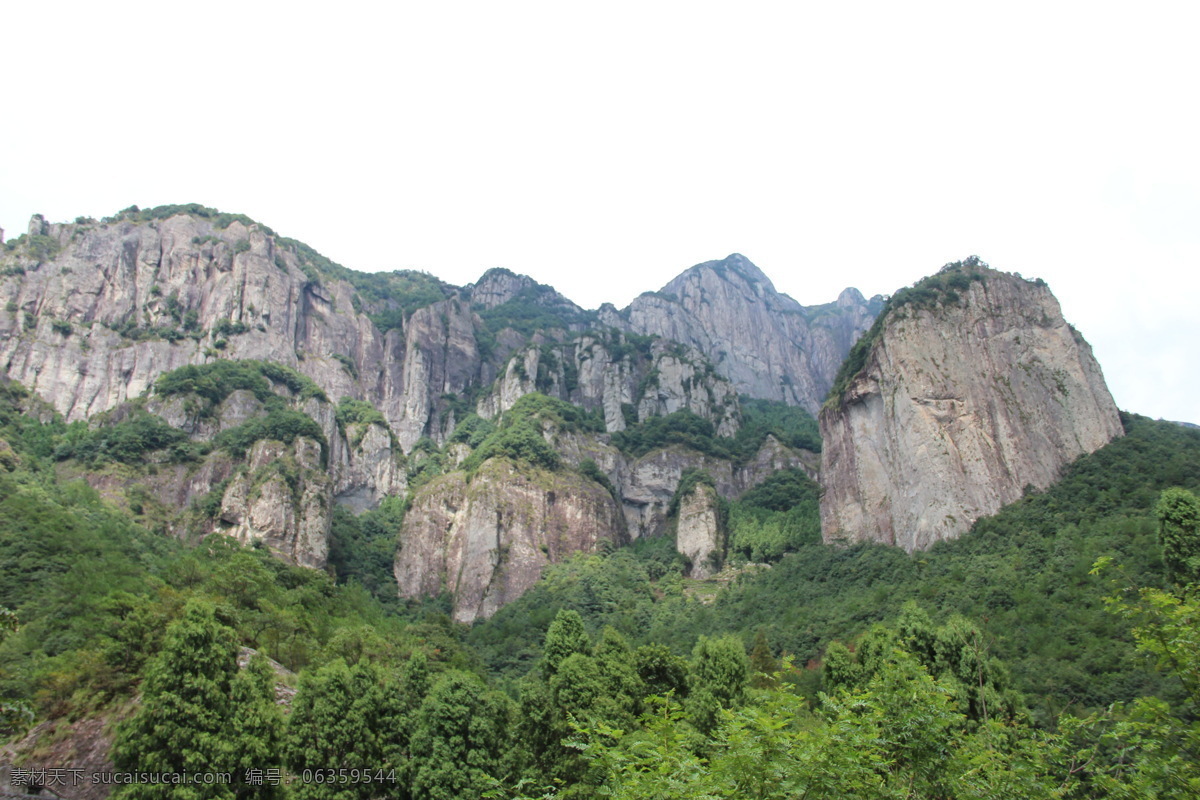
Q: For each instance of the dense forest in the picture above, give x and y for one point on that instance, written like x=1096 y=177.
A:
x=1050 y=652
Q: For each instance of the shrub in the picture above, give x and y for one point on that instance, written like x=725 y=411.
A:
x=280 y=424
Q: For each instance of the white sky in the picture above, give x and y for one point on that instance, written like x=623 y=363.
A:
x=603 y=148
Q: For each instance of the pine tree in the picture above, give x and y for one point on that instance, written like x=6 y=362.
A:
x=255 y=729
x=1178 y=513
x=763 y=665
x=720 y=673
x=566 y=636
x=182 y=726
x=336 y=724
x=459 y=742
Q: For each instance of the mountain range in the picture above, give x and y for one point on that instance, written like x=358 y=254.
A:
x=250 y=386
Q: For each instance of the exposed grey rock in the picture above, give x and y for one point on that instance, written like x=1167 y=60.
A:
x=766 y=343
x=487 y=541
x=259 y=504
x=957 y=409
x=698 y=535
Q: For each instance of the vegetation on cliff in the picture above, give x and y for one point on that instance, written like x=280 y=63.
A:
x=1012 y=662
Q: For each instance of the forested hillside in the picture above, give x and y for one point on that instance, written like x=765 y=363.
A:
x=318 y=534
x=616 y=671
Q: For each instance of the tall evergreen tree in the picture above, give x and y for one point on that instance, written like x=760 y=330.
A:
x=336 y=724
x=565 y=637
x=255 y=729
x=720 y=674
x=459 y=742
x=1178 y=512
x=183 y=724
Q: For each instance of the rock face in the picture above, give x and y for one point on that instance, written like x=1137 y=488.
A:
x=647 y=484
x=260 y=503
x=766 y=343
x=488 y=540
x=972 y=391
x=698 y=535
x=93 y=313
x=627 y=383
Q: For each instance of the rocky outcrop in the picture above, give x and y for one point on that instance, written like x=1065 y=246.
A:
x=92 y=314
x=281 y=499
x=765 y=342
x=626 y=382
x=487 y=540
x=973 y=388
x=496 y=287
x=648 y=483
x=698 y=535
x=370 y=467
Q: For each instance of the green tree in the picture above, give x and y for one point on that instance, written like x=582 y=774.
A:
x=1178 y=512
x=566 y=636
x=255 y=727
x=459 y=743
x=183 y=724
x=763 y=665
x=13 y=715
x=336 y=724
x=662 y=672
x=720 y=673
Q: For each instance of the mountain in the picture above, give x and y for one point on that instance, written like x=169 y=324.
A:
x=969 y=389
x=634 y=537
x=765 y=342
x=188 y=326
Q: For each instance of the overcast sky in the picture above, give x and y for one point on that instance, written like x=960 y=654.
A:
x=603 y=148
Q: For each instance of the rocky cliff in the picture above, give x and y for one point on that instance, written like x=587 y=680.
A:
x=765 y=342
x=485 y=538
x=698 y=534
x=969 y=389
x=94 y=313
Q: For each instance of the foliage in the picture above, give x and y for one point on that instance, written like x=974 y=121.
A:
x=566 y=637
x=128 y=441
x=183 y=724
x=518 y=435
x=224 y=327
x=219 y=219
x=793 y=426
x=280 y=424
x=459 y=740
x=1020 y=576
x=683 y=427
x=928 y=293
x=719 y=677
x=15 y=716
x=472 y=430
x=533 y=309
x=389 y=298
x=360 y=412
x=689 y=479
x=589 y=469
x=778 y=516
x=338 y=722
x=363 y=548
x=1178 y=513
x=347 y=364
x=216 y=381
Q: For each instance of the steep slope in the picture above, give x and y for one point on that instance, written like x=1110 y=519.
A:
x=95 y=313
x=970 y=388
x=765 y=342
x=486 y=540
